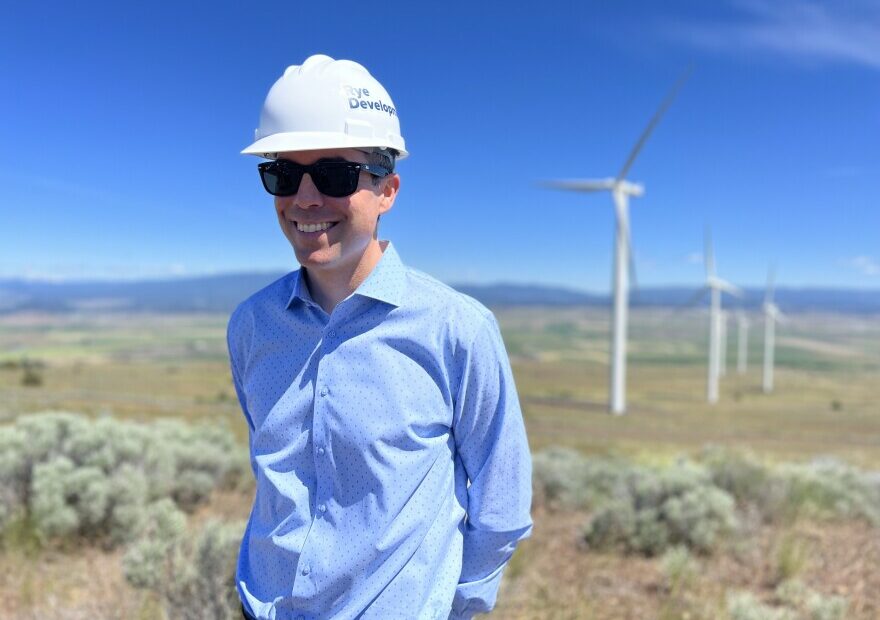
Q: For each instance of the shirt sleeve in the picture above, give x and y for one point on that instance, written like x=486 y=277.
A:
x=491 y=442
x=239 y=390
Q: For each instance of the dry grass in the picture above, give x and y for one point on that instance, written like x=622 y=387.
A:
x=825 y=403
x=553 y=576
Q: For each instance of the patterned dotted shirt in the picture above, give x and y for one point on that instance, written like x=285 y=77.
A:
x=393 y=476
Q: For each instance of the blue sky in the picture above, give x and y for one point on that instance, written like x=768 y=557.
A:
x=122 y=126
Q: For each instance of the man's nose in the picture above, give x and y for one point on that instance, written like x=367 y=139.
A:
x=307 y=195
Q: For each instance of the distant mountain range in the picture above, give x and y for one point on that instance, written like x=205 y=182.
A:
x=221 y=293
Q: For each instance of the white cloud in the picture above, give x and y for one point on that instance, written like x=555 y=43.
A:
x=836 y=31
x=694 y=258
x=71 y=272
x=865 y=264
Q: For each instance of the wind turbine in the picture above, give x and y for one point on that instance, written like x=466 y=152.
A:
x=715 y=285
x=743 y=342
x=722 y=346
x=772 y=315
x=621 y=190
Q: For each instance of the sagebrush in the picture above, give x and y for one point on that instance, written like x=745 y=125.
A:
x=68 y=476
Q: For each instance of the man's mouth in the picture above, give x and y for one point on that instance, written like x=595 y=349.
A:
x=311 y=228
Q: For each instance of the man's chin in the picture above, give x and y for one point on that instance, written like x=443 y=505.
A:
x=317 y=260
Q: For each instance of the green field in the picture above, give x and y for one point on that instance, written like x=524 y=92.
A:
x=825 y=401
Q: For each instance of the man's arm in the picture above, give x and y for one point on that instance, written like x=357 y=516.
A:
x=233 y=348
x=491 y=441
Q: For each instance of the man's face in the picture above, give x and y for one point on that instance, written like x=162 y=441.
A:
x=352 y=218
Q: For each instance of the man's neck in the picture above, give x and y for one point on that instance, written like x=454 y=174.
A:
x=328 y=288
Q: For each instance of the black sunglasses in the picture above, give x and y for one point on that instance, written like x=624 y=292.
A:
x=337 y=179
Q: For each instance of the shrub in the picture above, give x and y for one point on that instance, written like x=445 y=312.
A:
x=680 y=569
x=744 y=606
x=749 y=481
x=563 y=477
x=613 y=525
x=673 y=506
x=31 y=377
x=68 y=475
x=825 y=488
x=826 y=607
x=194 y=577
x=144 y=564
x=693 y=503
x=812 y=605
x=792 y=592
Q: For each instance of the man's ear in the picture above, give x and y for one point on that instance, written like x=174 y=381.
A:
x=390 y=187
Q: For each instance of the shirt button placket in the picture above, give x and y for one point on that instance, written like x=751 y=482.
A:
x=322 y=508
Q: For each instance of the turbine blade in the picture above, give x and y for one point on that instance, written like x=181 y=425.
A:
x=729 y=288
x=673 y=92
x=708 y=256
x=773 y=311
x=580 y=185
x=701 y=292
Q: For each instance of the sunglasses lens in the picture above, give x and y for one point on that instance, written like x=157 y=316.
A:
x=336 y=179
x=280 y=180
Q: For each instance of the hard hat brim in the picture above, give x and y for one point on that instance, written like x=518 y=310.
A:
x=311 y=141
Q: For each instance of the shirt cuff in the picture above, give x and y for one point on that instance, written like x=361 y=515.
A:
x=476 y=597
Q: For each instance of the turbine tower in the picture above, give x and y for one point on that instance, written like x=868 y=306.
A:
x=722 y=348
x=743 y=342
x=772 y=315
x=621 y=190
x=715 y=285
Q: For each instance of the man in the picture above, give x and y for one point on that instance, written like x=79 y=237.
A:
x=393 y=477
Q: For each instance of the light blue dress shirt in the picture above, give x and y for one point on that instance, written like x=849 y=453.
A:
x=393 y=475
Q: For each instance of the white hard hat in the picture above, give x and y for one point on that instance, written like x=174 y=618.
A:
x=326 y=104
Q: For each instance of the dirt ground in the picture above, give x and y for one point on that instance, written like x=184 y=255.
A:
x=553 y=575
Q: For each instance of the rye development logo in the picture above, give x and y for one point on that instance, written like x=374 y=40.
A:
x=359 y=98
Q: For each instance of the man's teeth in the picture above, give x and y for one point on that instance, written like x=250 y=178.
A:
x=313 y=227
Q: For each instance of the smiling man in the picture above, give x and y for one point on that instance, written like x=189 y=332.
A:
x=393 y=476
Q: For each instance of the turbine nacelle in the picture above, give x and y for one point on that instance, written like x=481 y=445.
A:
x=597 y=185
x=772 y=311
x=714 y=282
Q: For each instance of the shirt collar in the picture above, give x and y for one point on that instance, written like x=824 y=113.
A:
x=300 y=289
x=386 y=282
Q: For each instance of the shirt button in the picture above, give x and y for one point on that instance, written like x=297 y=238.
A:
x=324 y=391
x=322 y=508
x=305 y=570
x=321 y=451
x=332 y=333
